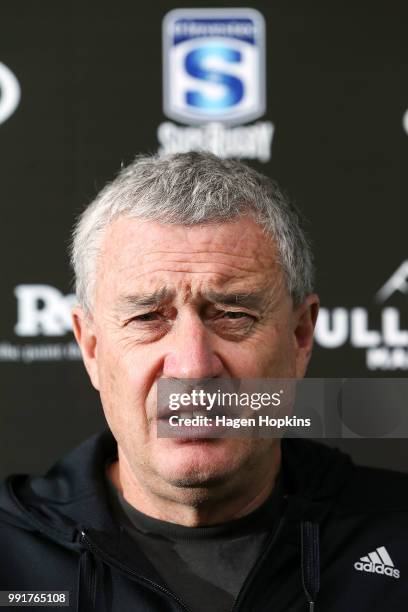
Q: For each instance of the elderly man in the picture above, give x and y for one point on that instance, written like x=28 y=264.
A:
x=190 y=267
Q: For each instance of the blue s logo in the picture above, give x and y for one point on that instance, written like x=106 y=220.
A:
x=195 y=66
x=213 y=65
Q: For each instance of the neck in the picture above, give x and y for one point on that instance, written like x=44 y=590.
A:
x=200 y=507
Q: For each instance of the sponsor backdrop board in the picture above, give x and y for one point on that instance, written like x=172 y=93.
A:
x=315 y=96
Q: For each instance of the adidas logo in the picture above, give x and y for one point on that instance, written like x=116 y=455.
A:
x=377 y=562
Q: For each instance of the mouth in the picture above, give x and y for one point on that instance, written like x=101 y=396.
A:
x=164 y=412
x=197 y=424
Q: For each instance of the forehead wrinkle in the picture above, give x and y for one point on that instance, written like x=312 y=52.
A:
x=225 y=268
x=192 y=251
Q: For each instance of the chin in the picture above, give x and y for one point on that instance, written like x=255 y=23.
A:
x=196 y=464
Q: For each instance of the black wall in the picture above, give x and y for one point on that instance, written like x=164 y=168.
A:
x=91 y=97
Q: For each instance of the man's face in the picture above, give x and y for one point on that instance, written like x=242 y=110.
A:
x=188 y=302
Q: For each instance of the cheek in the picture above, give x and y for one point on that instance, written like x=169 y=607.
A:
x=124 y=386
x=269 y=355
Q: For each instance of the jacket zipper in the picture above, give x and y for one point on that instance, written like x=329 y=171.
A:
x=127 y=570
x=249 y=579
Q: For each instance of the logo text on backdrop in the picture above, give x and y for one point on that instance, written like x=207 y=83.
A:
x=380 y=329
x=9 y=93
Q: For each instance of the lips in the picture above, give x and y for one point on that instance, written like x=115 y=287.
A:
x=164 y=412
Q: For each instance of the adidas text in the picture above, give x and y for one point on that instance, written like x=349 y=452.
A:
x=377 y=569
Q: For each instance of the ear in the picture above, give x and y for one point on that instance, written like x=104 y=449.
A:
x=305 y=316
x=85 y=335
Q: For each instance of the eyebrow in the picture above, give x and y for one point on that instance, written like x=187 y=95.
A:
x=146 y=300
x=253 y=300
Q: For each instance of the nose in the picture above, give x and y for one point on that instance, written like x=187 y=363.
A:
x=191 y=354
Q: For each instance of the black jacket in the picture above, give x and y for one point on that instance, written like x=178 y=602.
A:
x=342 y=539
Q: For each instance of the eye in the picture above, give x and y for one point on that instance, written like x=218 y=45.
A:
x=147 y=316
x=233 y=314
x=234 y=325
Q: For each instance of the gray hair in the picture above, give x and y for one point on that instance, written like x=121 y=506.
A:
x=190 y=189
